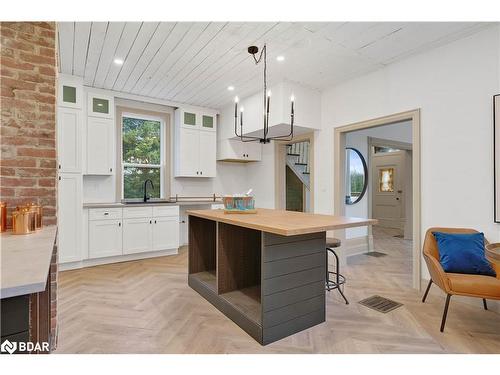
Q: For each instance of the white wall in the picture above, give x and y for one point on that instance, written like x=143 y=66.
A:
x=453 y=86
x=359 y=140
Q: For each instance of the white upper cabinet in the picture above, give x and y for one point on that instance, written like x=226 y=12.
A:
x=100 y=146
x=195 y=143
x=207 y=151
x=69 y=91
x=69 y=140
x=99 y=105
x=235 y=150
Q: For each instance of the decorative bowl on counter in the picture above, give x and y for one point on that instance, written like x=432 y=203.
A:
x=239 y=204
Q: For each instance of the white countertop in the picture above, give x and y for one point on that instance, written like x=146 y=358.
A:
x=25 y=261
x=120 y=204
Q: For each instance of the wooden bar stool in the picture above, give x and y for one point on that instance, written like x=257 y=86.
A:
x=339 y=280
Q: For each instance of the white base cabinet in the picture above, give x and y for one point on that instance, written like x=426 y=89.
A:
x=105 y=238
x=137 y=235
x=114 y=232
x=165 y=233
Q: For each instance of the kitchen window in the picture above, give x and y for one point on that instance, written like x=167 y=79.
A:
x=143 y=155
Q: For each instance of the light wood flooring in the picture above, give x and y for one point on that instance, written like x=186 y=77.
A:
x=146 y=306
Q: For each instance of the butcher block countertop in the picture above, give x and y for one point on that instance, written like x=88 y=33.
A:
x=284 y=223
x=26 y=261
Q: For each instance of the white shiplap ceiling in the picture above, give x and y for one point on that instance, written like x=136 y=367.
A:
x=195 y=62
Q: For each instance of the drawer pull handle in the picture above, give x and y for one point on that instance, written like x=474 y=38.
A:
x=106 y=213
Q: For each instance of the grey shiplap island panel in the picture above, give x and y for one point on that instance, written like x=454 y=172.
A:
x=265 y=272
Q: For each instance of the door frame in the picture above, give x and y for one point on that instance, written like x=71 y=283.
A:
x=339 y=177
x=280 y=170
x=373 y=141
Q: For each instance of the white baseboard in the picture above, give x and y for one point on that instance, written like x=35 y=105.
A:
x=115 y=259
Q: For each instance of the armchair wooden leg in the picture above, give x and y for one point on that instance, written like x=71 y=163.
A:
x=485 y=304
x=445 y=312
x=427 y=290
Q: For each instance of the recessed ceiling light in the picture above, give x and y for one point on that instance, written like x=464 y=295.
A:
x=230 y=88
x=118 y=61
x=280 y=58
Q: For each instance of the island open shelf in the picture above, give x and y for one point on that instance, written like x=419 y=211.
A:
x=266 y=271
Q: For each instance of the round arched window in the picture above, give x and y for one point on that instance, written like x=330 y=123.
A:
x=356 y=176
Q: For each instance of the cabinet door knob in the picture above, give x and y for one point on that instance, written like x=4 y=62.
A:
x=155 y=221
x=197 y=172
x=119 y=224
x=111 y=169
x=59 y=178
x=201 y=172
x=150 y=222
x=59 y=166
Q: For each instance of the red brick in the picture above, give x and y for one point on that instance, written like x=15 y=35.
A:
x=18 y=44
x=6 y=192
x=7 y=171
x=8 y=181
x=36 y=172
x=37 y=59
x=36 y=152
x=18 y=162
x=16 y=64
x=34 y=192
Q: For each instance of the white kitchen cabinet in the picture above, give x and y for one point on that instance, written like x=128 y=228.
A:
x=150 y=233
x=188 y=154
x=99 y=105
x=165 y=233
x=69 y=91
x=69 y=140
x=105 y=238
x=207 y=154
x=100 y=146
x=137 y=235
x=235 y=150
x=195 y=144
x=69 y=215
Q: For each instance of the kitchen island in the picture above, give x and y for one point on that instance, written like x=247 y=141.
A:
x=265 y=271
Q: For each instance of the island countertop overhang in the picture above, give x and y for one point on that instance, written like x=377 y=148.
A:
x=284 y=223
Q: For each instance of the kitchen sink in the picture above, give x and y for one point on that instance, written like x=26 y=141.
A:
x=151 y=201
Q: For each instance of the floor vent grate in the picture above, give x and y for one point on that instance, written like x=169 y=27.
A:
x=380 y=304
x=376 y=254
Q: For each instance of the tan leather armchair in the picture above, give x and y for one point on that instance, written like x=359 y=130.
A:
x=485 y=287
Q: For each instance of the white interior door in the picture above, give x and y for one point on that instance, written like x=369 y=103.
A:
x=388 y=184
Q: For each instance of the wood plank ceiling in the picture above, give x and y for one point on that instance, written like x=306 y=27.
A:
x=195 y=62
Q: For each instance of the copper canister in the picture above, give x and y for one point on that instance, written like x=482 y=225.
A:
x=23 y=221
x=38 y=214
x=3 y=216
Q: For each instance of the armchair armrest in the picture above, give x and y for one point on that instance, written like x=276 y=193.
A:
x=438 y=275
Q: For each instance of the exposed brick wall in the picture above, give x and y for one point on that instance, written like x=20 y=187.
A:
x=28 y=102
x=28 y=125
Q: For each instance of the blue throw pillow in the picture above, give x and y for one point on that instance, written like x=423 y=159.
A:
x=463 y=253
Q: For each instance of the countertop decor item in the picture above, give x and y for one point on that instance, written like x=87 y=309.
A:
x=23 y=221
x=3 y=216
x=253 y=50
x=37 y=209
x=236 y=204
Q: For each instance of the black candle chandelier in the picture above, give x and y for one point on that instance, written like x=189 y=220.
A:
x=253 y=50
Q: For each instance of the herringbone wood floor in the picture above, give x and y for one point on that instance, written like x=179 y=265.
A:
x=146 y=307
